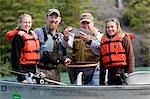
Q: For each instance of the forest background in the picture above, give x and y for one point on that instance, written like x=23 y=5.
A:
x=133 y=14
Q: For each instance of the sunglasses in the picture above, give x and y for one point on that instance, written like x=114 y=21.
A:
x=112 y=20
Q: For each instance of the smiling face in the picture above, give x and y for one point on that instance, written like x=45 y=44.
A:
x=53 y=21
x=111 y=28
x=25 y=22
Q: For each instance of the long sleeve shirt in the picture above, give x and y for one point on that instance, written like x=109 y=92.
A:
x=94 y=46
x=48 y=45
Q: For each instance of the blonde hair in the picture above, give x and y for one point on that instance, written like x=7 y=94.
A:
x=116 y=20
x=20 y=19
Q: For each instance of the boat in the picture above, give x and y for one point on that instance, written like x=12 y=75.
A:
x=134 y=90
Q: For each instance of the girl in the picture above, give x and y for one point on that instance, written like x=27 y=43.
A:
x=116 y=54
x=24 y=47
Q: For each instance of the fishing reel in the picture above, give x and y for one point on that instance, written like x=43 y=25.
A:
x=40 y=78
x=41 y=75
x=30 y=78
x=41 y=81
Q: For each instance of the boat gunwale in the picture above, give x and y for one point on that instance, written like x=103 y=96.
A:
x=126 y=87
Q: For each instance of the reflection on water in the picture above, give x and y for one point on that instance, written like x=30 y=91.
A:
x=65 y=78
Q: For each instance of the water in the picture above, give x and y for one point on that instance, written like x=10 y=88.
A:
x=65 y=77
x=142 y=68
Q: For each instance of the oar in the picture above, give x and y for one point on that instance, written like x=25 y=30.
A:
x=53 y=81
x=46 y=79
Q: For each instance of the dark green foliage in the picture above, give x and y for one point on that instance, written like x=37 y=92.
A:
x=10 y=10
x=137 y=16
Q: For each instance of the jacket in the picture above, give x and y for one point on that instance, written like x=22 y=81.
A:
x=81 y=52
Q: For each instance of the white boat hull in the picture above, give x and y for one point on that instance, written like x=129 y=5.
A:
x=34 y=91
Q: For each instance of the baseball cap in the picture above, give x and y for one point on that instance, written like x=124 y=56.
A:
x=88 y=17
x=51 y=11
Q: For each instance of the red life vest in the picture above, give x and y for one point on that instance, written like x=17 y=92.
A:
x=30 y=52
x=10 y=34
x=112 y=52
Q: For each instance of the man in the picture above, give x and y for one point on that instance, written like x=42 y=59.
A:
x=81 y=43
x=51 y=51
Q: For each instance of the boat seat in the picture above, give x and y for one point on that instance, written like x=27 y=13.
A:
x=139 y=77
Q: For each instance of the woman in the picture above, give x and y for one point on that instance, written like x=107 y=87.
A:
x=116 y=54
x=24 y=47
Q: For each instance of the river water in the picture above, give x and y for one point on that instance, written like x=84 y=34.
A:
x=65 y=77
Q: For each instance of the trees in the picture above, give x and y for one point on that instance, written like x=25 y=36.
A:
x=137 y=16
x=10 y=10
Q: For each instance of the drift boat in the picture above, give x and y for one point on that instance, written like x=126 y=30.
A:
x=138 y=88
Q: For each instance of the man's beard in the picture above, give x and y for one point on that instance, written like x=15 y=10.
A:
x=53 y=26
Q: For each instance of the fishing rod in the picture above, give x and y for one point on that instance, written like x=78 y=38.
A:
x=38 y=76
x=12 y=71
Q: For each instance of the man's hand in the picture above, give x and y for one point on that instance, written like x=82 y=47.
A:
x=67 y=61
x=84 y=37
x=66 y=33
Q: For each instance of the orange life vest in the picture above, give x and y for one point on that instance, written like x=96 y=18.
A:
x=112 y=52
x=30 y=53
x=10 y=34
